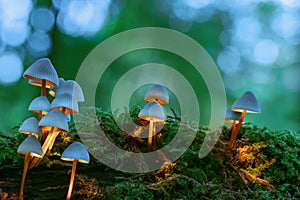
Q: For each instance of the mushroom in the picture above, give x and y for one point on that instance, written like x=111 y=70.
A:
x=35 y=83
x=40 y=105
x=54 y=122
x=152 y=112
x=70 y=87
x=233 y=118
x=30 y=147
x=52 y=90
x=65 y=103
x=246 y=103
x=76 y=152
x=42 y=72
x=30 y=127
x=158 y=93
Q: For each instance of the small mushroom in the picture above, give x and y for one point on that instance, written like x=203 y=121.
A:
x=30 y=147
x=233 y=118
x=76 y=152
x=65 y=103
x=152 y=112
x=158 y=93
x=54 y=122
x=42 y=72
x=52 y=90
x=30 y=127
x=246 y=103
x=40 y=105
x=71 y=87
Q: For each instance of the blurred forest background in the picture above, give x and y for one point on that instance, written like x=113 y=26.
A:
x=255 y=44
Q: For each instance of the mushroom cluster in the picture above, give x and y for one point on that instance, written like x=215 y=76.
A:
x=247 y=103
x=153 y=111
x=52 y=117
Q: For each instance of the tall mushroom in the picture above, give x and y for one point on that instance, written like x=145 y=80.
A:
x=76 y=152
x=152 y=112
x=233 y=118
x=246 y=103
x=42 y=72
x=54 y=122
x=67 y=105
x=30 y=147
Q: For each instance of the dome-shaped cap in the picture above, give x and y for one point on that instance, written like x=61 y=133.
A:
x=152 y=111
x=65 y=103
x=30 y=146
x=38 y=104
x=42 y=69
x=35 y=83
x=158 y=93
x=56 y=119
x=231 y=116
x=70 y=87
x=76 y=151
x=30 y=126
x=246 y=102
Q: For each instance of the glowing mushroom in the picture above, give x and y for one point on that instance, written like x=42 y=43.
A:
x=66 y=103
x=158 y=93
x=152 y=112
x=30 y=127
x=70 y=87
x=42 y=72
x=54 y=122
x=40 y=105
x=246 y=103
x=76 y=152
x=30 y=147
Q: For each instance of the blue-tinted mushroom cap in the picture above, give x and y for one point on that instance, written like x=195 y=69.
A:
x=158 y=93
x=231 y=116
x=40 y=103
x=70 y=87
x=30 y=126
x=152 y=111
x=52 y=90
x=54 y=119
x=30 y=146
x=65 y=103
x=42 y=69
x=76 y=151
x=246 y=102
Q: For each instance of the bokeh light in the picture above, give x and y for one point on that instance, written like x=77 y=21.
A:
x=266 y=51
x=11 y=68
x=82 y=18
x=42 y=19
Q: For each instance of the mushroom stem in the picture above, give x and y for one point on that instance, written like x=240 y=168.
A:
x=72 y=180
x=35 y=161
x=43 y=87
x=150 y=134
x=51 y=142
x=235 y=133
x=233 y=127
x=154 y=135
x=25 y=169
x=40 y=115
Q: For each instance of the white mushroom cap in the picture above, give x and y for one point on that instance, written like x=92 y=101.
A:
x=65 y=101
x=158 y=93
x=54 y=119
x=152 y=111
x=30 y=146
x=30 y=126
x=70 y=87
x=76 y=151
x=38 y=104
x=42 y=69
